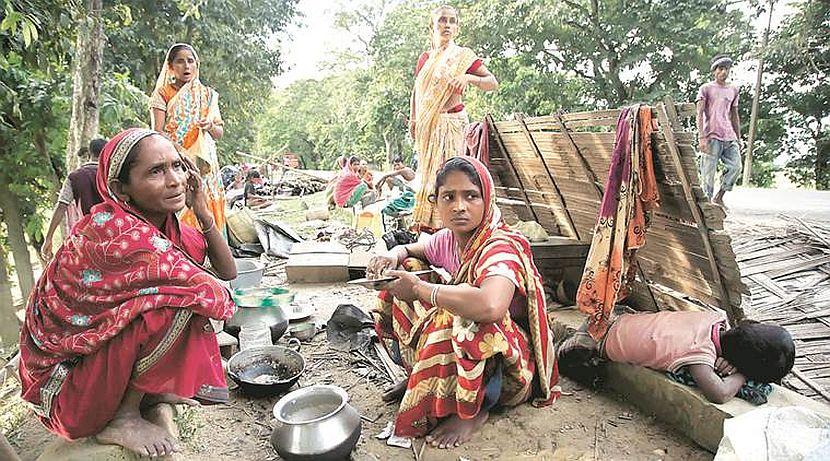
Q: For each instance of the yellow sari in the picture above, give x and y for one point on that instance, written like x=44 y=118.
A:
x=438 y=134
x=183 y=107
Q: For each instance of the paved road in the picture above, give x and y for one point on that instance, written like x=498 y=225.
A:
x=763 y=205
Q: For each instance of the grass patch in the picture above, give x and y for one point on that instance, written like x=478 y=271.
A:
x=189 y=421
x=13 y=411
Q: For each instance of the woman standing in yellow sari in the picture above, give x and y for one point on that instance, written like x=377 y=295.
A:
x=437 y=117
x=187 y=112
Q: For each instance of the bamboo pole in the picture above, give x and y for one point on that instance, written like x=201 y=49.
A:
x=753 y=118
x=570 y=227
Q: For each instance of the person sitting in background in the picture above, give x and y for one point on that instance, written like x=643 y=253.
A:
x=366 y=175
x=350 y=188
x=339 y=164
x=77 y=195
x=235 y=192
x=719 y=359
x=399 y=177
x=253 y=188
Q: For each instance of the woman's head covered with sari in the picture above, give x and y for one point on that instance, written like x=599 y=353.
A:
x=167 y=74
x=443 y=25
x=494 y=247
x=114 y=266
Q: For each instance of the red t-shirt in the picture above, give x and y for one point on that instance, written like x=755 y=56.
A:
x=473 y=67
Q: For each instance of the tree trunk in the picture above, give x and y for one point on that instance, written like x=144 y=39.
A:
x=86 y=80
x=823 y=160
x=388 y=143
x=9 y=327
x=17 y=238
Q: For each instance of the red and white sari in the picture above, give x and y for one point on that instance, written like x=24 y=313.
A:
x=121 y=305
x=449 y=357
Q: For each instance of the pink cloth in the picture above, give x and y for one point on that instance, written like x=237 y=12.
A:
x=442 y=251
x=477 y=142
x=718 y=102
x=664 y=341
x=345 y=186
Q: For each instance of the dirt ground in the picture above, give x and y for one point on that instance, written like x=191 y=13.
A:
x=582 y=425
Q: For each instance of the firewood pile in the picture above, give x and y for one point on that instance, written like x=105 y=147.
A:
x=297 y=183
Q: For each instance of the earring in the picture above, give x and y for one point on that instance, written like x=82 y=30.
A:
x=172 y=79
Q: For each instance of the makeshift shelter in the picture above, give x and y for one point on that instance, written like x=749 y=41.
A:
x=552 y=169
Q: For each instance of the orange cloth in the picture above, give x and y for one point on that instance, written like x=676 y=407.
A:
x=624 y=215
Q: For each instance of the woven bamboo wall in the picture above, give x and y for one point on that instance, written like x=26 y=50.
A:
x=553 y=169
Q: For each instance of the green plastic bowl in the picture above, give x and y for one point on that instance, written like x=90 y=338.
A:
x=262 y=297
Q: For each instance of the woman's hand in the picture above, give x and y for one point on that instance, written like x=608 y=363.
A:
x=703 y=145
x=206 y=124
x=196 y=199
x=404 y=287
x=378 y=265
x=459 y=84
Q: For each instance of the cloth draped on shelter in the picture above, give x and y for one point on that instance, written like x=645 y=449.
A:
x=629 y=198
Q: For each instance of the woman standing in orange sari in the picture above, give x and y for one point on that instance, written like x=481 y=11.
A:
x=481 y=341
x=437 y=117
x=187 y=111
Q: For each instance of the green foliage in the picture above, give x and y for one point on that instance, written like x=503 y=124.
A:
x=624 y=51
x=36 y=45
x=232 y=37
x=799 y=60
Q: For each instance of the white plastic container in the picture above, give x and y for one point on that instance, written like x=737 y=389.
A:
x=248 y=273
x=254 y=334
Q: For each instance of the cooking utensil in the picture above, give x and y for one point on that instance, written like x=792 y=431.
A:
x=303 y=331
x=267 y=370
x=262 y=296
x=295 y=312
x=267 y=309
x=316 y=423
x=379 y=282
x=248 y=273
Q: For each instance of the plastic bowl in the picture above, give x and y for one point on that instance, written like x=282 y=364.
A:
x=248 y=273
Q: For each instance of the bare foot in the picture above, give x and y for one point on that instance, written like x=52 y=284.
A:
x=138 y=435
x=394 y=393
x=164 y=416
x=173 y=399
x=453 y=431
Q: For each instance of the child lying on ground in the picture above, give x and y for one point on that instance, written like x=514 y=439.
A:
x=719 y=359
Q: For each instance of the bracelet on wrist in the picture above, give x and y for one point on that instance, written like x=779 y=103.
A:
x=206 y=230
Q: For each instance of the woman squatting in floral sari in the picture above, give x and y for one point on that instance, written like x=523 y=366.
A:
x=437 y=117
x=126 y=301
x=481 y=341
